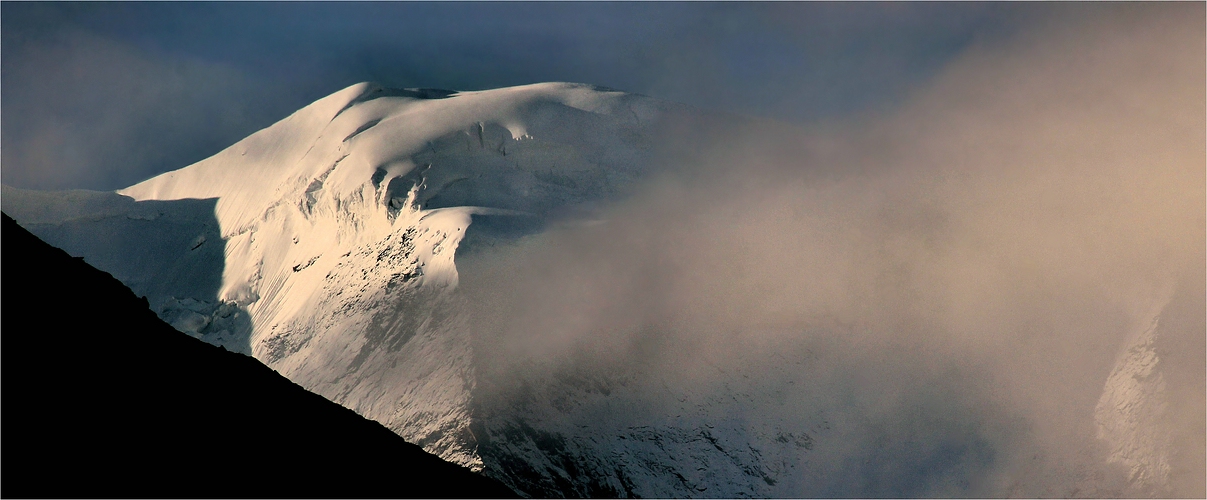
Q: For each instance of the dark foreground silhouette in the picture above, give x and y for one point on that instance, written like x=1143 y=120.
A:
x=100 y=398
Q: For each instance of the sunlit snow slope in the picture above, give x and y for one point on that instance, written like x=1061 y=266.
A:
x=341 y=223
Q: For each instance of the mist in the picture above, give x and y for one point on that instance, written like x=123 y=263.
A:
x=84 y=111
x=937 y=293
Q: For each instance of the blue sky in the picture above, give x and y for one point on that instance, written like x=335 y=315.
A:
x=102 y=95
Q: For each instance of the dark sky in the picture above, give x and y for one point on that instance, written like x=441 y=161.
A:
x=103 y=95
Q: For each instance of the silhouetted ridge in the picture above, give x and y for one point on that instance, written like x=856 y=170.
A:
x=161 y=414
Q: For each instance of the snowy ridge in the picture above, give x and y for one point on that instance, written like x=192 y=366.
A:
x=342 y=221
x=340 y=226
x=1133 y=399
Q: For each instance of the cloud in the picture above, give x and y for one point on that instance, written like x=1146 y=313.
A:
x=85 y=111
x=947 y=285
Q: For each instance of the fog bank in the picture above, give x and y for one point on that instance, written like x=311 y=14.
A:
x=947 y=287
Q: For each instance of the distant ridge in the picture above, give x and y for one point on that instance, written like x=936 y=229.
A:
x=160 y=414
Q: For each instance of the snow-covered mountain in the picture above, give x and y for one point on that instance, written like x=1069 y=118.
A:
x=331 y=246
x=324 y=246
